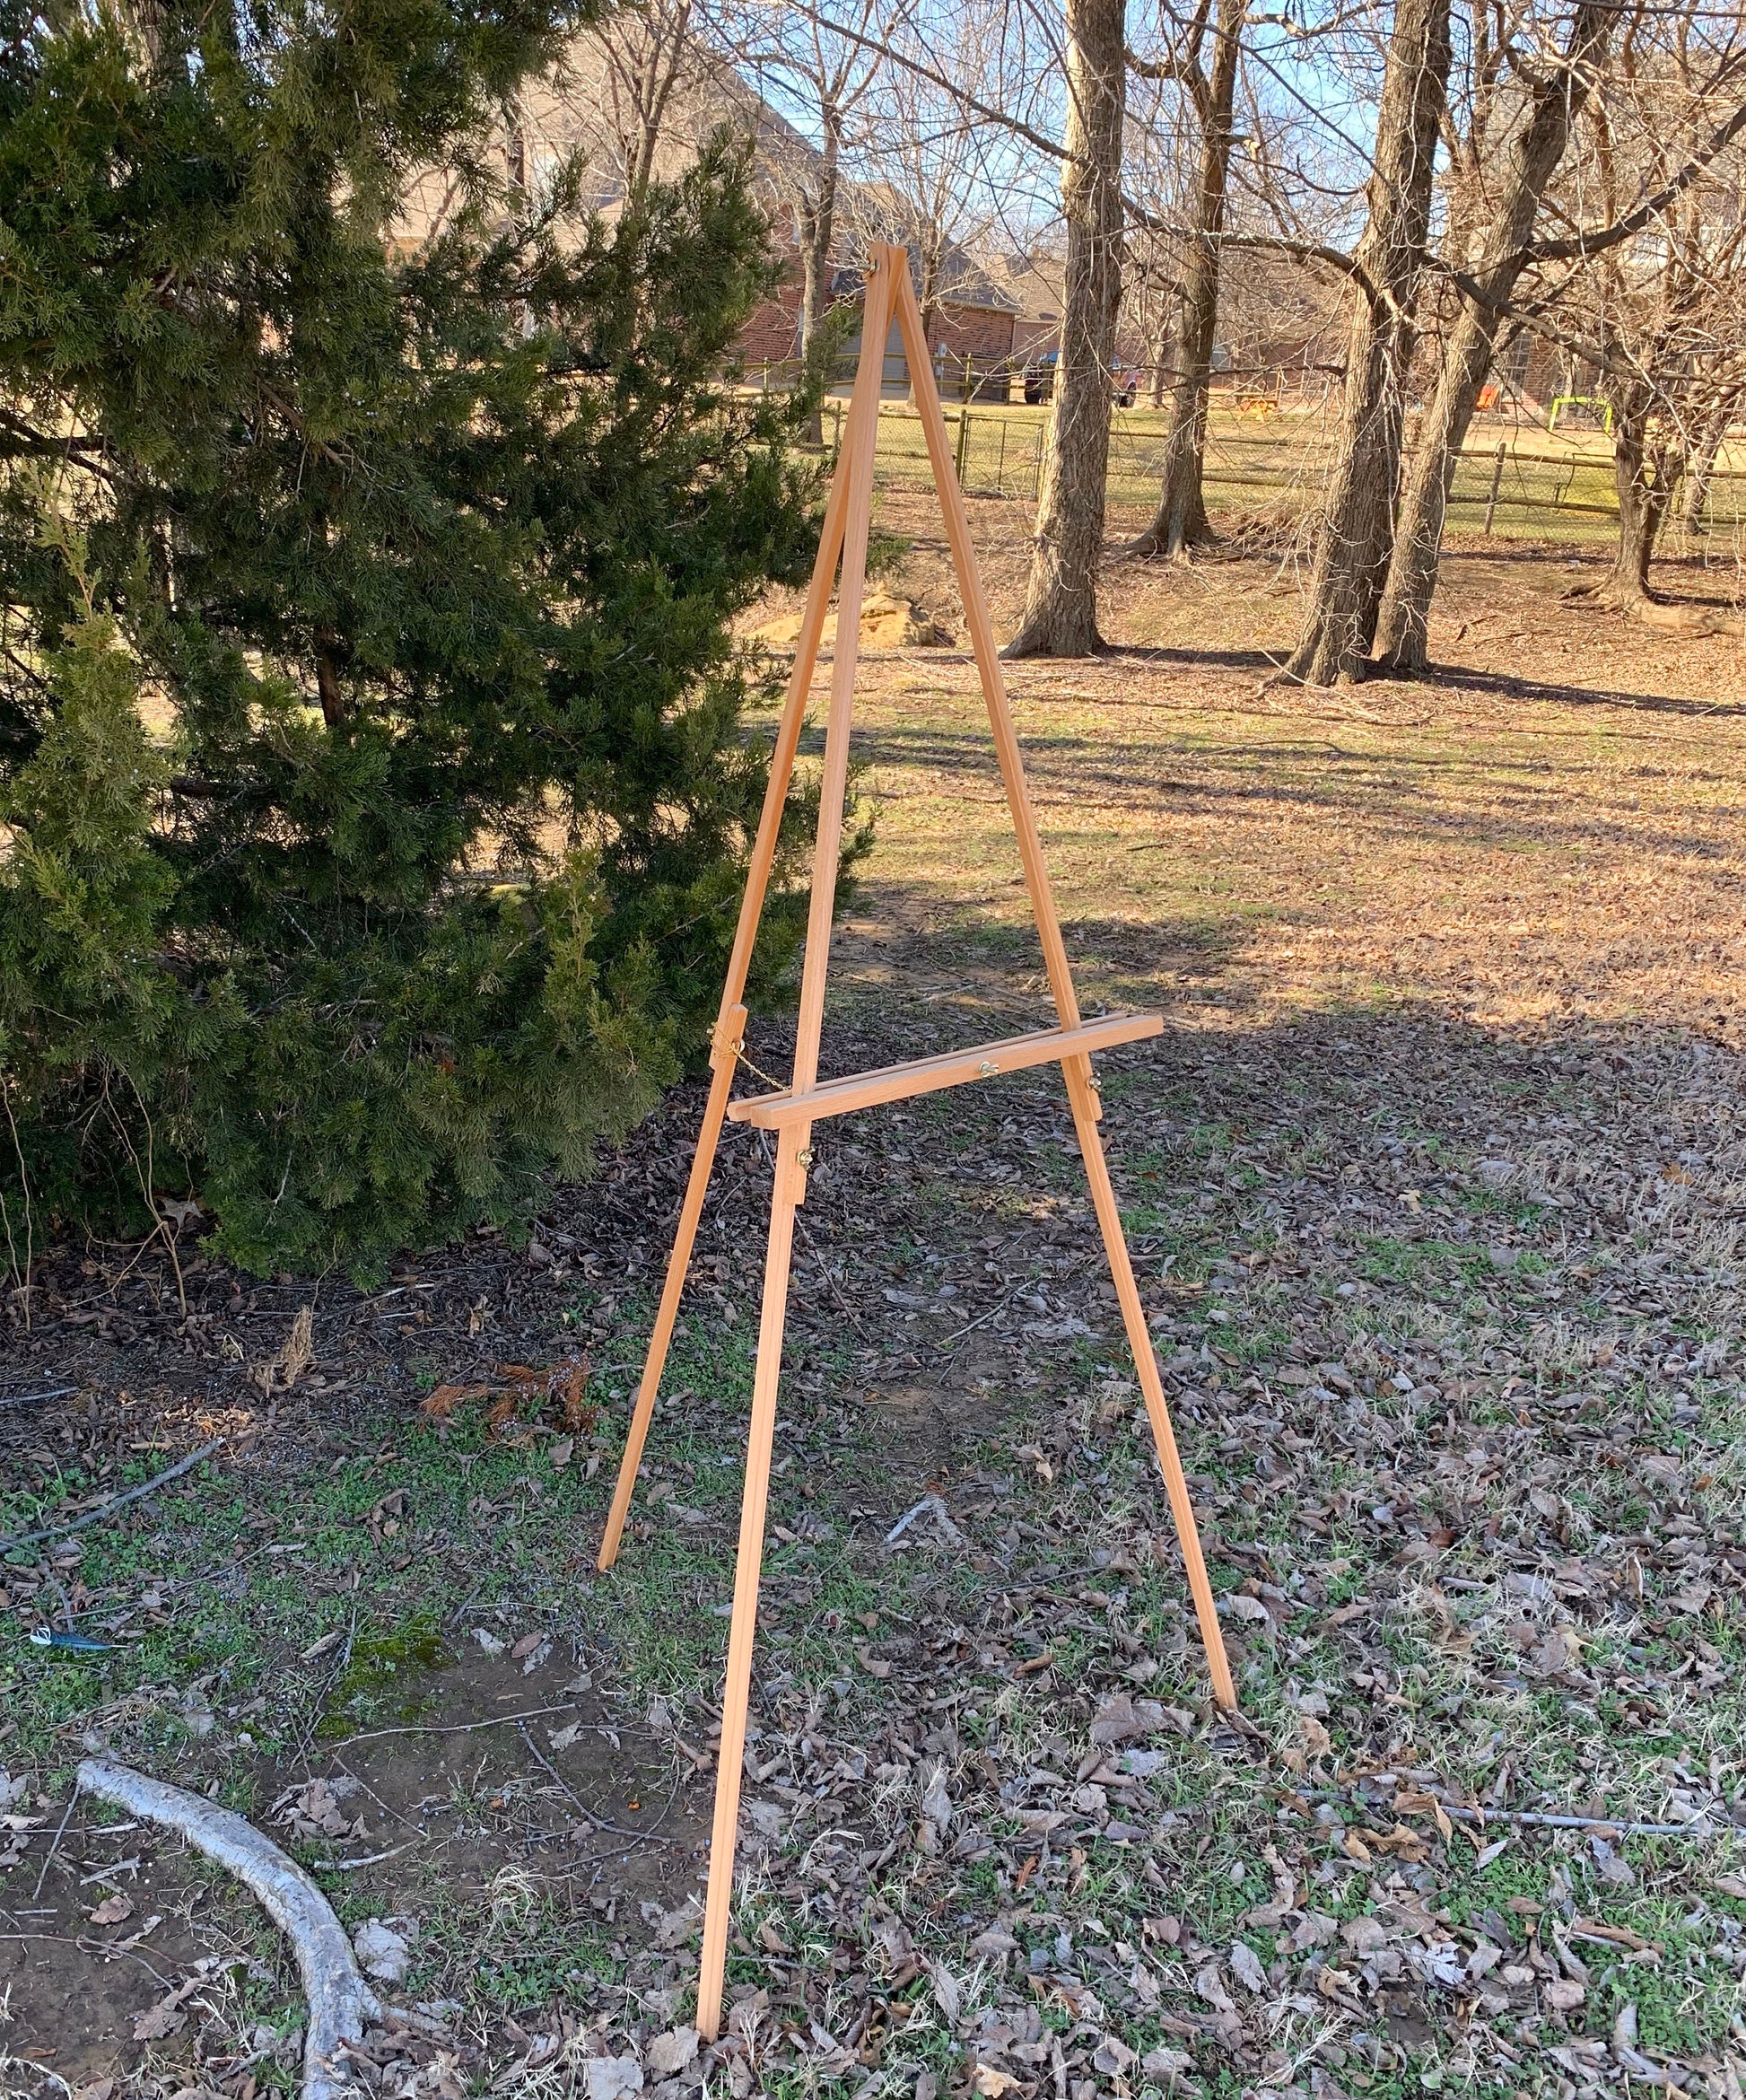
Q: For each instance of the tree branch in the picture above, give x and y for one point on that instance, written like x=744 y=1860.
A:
x=1595 y=243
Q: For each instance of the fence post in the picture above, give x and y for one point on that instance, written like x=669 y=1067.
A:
x=1000 y=470
x=964 y=441
x=1496 y=478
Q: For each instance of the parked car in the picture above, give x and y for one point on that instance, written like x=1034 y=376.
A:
x=1039 y=378
x=1040 y=381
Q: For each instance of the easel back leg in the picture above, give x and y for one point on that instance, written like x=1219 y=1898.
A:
x=1146 y=1362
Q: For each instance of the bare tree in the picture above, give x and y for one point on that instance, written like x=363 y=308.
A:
x=1150 y=297
x=1665 y=303
x=645 y=50
x=1700 y=460
x=817 y=77
x=1061 y=606
x=1181 y=520
x=1355 y=533
x=925 y=179
x=1555 y=89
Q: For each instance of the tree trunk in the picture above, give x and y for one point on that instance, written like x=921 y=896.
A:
x=1646 y=474
x=327 y=651
x=1642 y=504
x=1163 y=350
x=1060 y=608
x=658 y=56
x=817 y=238
x=818 y=235
x=1358 y=523
x=927 y=297
x=1181 y=522
x=1701 y=465
x=1403 y=621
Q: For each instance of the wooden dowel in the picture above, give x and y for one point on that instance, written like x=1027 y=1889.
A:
x=748 y=1569
x=952 y=1068
x=794 y=707
x=791 y=1153
x=731 y=1019
x=1151 y=1386
x=828 y=847
x=724 y=1056
x=1078 y=1070
x=980 y=625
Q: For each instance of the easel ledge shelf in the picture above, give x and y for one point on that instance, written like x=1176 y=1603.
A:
x=952 y=1068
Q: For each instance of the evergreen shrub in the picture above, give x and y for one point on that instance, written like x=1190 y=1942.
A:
x=374 y=774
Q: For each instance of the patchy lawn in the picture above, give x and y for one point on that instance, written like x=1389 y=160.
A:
x=1436 y=1184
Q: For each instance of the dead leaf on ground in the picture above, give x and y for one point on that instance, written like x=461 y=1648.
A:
x=168 y=2017
x=295 y=1354
x=442 y=1403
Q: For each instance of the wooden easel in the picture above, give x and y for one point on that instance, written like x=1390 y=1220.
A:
x=792 y=1114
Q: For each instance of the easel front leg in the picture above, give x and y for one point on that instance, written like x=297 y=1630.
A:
x=1140 y=1340
x=723 y=1056
x=749 y=1568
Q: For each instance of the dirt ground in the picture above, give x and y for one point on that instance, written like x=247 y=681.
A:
x=1436 y=1183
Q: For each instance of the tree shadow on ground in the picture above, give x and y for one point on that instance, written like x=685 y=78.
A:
x=1284 y=772
x=1509 y=684
x=1271 y=665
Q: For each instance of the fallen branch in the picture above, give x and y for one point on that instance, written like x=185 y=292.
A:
x=1535 y=1820
x=496 y=1720
x=593 y=1814
x=338 y=1999
x=369 y=1860
x=132 y=1494
x=33 y=1399
x=1528 y=1818
x=929 y=1506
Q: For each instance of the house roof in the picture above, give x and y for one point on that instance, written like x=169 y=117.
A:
x=1035 y=284
x=963 y=282
x=569 y=111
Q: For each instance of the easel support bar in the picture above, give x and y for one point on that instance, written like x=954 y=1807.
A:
x=952 y=1068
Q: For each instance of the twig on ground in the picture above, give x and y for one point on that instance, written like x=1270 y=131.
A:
x=55 y=1843
x=369 y=1860
x=334 y=1678
x=593 y=1814
x=981 y=1320
x=598 y=1860
x=929 y=1505
x=1532 y=1818
x=1045 y=1583
x=33 y=1399
x=496 y=1721
x=132 y=1494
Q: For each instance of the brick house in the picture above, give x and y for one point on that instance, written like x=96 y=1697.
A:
x=971 y=326
x=589 y=104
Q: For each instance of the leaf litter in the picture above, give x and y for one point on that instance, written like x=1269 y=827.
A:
x=1449 y=1307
